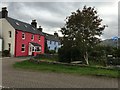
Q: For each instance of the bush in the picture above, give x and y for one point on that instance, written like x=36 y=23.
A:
x=52 y=52
x=69 y=55
x=47 y=56
x=113 y=61
x=6 y=53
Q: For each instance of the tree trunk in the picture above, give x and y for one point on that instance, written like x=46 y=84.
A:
x=86 y=58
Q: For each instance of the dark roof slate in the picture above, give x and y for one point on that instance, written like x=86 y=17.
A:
x=51 y=37
x=19 y=25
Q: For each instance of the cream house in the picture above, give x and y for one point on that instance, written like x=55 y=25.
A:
x=0 y=44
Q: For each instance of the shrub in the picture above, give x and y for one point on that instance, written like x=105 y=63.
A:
x=53 y=57
x=113 y=61
x=52 y=52
x=69 y=55
x=6 y=53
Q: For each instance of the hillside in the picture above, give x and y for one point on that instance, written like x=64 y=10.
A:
x=110 y=42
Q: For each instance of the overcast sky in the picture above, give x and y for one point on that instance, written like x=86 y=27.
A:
x=51 y=15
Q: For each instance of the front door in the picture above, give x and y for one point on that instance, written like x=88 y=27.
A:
x=30 y=49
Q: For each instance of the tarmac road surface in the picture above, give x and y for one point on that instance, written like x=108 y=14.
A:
x=19 y=78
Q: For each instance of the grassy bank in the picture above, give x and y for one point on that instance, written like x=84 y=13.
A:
x=83 y=70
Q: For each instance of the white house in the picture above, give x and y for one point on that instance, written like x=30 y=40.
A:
x=53 y=41
x=0 y=44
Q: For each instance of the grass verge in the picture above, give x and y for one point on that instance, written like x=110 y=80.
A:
x=79 y=70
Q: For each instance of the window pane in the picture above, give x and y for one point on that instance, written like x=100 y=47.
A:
x=23 y=35
x=10 y=34
x=23 y=47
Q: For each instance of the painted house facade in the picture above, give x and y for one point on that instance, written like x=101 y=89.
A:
x=0 y=44
x=53 y=41
x=20 y=38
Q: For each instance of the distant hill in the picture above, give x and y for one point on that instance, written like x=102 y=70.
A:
x=110 y=42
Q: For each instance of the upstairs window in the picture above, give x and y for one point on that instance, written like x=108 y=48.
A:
x=23 y=35
x=39 y=38
x=26 y=26
x=32 y=37
x=23 y=48
x=17 y=23
x=10 y=34
x=54 y=42
x=50 y=42
x=9 y=47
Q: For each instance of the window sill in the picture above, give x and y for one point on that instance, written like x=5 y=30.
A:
x=22 y=51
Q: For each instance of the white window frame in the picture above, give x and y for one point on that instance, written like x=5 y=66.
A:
x=23 y=47
x=32 y=37
x=22 y=35
x=36 y=49
x=9 y=46
x=33 y=49
x=10 y=34
x=39 y=38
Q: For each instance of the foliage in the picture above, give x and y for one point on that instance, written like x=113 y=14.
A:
x=117 y=52
x=69 y=55
x=46 y=47
x=52 y=52
x=5 y=53
x=113 y=61
x=81 y=31
x=99 y=54
x=50 y=57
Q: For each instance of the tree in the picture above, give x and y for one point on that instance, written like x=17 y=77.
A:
x=82 y=30
x=46 y=47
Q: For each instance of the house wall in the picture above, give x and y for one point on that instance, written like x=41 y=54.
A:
x=19 y=41
x=5 y=27
x=52 y=45
x=0 y=45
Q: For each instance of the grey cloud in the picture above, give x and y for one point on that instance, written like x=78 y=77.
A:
x=26 y=11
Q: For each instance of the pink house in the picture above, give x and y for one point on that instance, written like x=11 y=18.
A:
x=20 y=38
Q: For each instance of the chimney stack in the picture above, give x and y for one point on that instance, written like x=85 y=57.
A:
x=34 y=23
x=4 y=12
x=56 y=34
x=40 y=28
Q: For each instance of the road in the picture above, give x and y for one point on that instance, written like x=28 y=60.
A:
x=19 y=78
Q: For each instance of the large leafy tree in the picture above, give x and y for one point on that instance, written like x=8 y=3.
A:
x=82 y=30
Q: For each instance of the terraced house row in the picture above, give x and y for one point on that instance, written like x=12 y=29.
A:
x=23 y=39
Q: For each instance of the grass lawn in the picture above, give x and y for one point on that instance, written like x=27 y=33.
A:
x=79 y=70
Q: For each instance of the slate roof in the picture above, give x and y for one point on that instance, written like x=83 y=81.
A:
x=34 y=44
x=26 y=27
x=19 y=25
x=51 y=37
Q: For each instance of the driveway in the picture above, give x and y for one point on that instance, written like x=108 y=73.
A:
x=18 y=78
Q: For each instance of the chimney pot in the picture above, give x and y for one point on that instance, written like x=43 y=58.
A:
x=4 y=12
x=56 y=34
x=34 y=23
x=40 y=28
